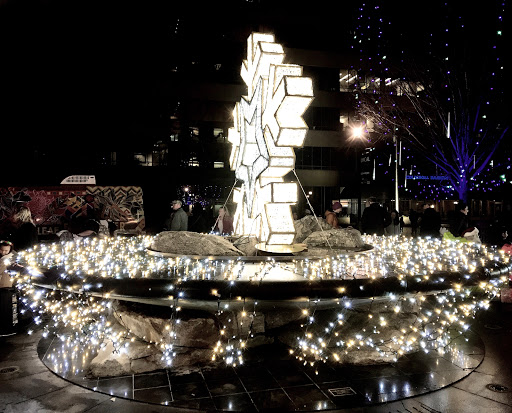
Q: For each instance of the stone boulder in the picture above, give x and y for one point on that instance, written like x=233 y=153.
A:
x=306 y=226
x=235 y=323
x=247 y=245
x=355 y=322
x=197 y=330
x=282 y=317
x=336 y=238
x=138 y=357
x=192 y=243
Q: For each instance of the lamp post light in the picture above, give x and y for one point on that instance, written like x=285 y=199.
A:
x=357 y=134
x=396 y=141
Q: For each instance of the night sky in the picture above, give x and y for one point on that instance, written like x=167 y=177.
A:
x=77 y=71
x=88 y=73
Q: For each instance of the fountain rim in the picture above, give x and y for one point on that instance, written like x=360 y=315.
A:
x=199 y=293
x=257 y=259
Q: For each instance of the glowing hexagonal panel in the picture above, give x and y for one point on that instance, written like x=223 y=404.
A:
x=268 y=123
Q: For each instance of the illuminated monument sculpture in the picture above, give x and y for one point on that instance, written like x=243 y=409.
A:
x=268 y=124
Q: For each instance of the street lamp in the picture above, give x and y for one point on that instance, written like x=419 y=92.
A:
x=357 y=134
x=396 y=141
x=357 y=131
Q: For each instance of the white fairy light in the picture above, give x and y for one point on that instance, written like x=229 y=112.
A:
x=442 y=313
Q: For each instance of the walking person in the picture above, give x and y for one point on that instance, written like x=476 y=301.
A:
x=197 y=220
x=461 y=220
x=6 y=254
x=413 y=218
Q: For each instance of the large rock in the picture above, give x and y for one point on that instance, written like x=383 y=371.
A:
x=241 y=324
x=306 y=226
x=138 y=357
x=281 y=317
x=247 y=245
x=192 y=243
x=366 y=357
x=336 y=238
x=198 y=330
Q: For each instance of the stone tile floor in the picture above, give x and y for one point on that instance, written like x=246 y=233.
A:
x=424 y=383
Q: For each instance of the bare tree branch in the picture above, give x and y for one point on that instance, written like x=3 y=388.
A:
x=418 y=110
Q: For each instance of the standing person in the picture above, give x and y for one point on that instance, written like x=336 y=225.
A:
x=224 y=223
x=504 y=218
x=331 y=215
x=25 y=235
x=198 y=219
x=374 y=219
x=6 y=254
x=413 y=217
x=178 y=221
x=461 y=220
x=394 y=228
x=430 y=222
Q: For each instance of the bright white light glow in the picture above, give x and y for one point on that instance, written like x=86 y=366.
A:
x=267 y=125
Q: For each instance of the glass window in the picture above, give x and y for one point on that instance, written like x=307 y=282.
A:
x=347 y=80
x=143 y=159
x=218 y=132
x=318 y=118
x=343 y=120
x=193 y=131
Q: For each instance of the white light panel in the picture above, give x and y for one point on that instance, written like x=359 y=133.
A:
x=267 y=125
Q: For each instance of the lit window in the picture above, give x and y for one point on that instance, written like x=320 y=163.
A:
x=193 y=161
x=347 y=80
x=344 y=120
x=218 y=133
x=194 y=131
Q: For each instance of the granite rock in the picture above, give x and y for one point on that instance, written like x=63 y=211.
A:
x=198 y=331
x=192 y=243
x=247 y=245
x=306 y=226
x=336 y=238
x=138 y=357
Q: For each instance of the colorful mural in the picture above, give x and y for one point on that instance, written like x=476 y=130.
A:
x=56 y=208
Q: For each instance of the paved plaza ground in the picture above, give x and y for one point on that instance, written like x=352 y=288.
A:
x=27 y=385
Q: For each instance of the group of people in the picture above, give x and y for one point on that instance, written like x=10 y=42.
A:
x=377 y=220
x=22 y=235
x=197 y=219
x=429 y=223
x=21 y=230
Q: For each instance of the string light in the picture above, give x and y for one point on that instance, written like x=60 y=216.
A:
x=447 y=281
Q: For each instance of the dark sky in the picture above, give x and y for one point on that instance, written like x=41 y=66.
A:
x=87 y=71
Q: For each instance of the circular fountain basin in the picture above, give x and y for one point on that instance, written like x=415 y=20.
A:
x=269 y=282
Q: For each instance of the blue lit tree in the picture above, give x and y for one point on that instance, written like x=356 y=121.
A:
x=443 y=119
x=461 y=50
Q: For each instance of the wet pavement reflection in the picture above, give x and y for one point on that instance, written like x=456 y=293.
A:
x=271 y=381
